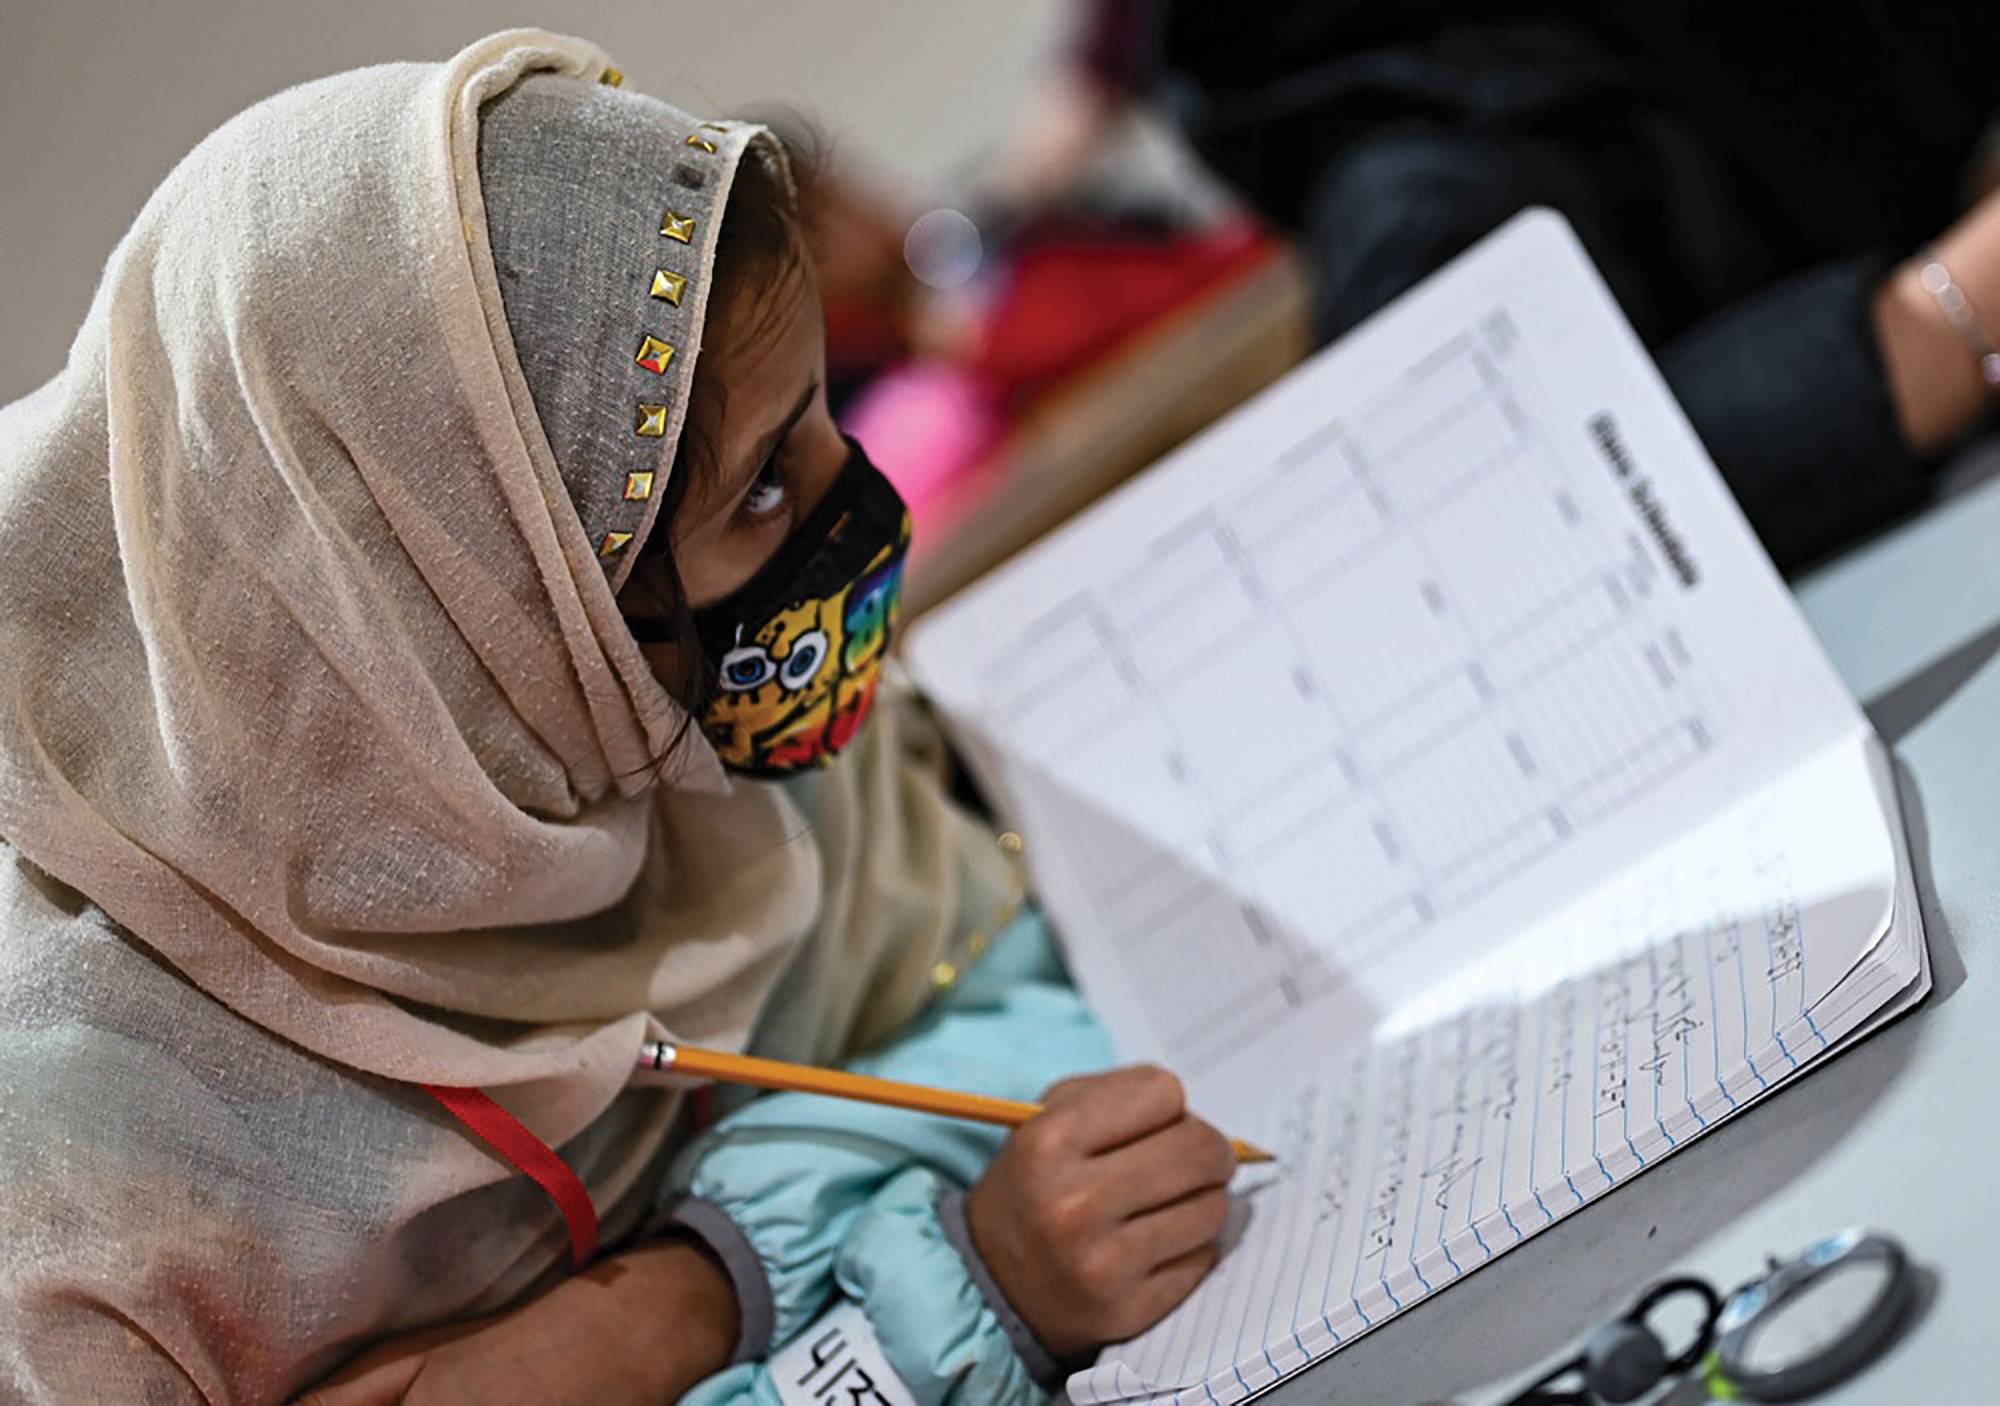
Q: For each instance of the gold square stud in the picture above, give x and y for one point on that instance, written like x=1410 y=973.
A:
x=697 y=140
x=652 y=420
x=638 y=487
x=677 y=226
x=654 y=355
x=614 y=543
x=612 y=78
x=668 y=287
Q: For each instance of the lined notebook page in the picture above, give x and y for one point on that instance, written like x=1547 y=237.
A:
x=1429 y=766
x=1441 y=632
x=1590 y=1046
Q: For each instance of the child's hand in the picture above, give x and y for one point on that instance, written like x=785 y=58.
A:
x=1102 y=1213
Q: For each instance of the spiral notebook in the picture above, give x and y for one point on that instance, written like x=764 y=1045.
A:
x=1428 y=764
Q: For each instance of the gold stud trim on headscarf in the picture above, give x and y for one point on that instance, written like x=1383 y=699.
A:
x=668 y=287
x=667 y=333
x=654 y=355
x=946 y=973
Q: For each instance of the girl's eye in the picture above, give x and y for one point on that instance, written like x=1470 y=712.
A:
x=767 y=491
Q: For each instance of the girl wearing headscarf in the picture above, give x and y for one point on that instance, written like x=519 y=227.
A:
x=434 y=595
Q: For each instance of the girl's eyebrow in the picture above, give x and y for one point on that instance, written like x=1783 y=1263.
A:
x=775 y=436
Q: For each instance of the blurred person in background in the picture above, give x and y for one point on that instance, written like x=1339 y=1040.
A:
x=1792 y=203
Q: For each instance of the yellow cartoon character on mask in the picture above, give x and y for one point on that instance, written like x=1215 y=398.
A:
x=796 y=692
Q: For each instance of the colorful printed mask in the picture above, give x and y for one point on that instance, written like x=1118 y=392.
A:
x=800 y=648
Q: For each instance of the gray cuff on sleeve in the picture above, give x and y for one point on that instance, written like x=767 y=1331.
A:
x=1041 y=1364
x=711 y=1225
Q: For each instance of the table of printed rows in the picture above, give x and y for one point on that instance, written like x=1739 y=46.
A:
x=1470 y=670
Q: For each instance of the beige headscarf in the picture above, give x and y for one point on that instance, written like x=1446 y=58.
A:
x=313 y=680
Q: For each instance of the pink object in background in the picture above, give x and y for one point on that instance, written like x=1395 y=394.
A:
x=923 y=424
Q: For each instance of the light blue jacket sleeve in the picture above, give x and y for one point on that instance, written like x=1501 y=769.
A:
x=805 y=1197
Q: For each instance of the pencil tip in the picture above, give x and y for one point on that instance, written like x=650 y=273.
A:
x=1247 y=1153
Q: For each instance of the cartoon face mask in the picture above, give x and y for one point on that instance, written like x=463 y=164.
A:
x=799 y=649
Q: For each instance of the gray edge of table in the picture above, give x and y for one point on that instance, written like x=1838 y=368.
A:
x=1897 y=1133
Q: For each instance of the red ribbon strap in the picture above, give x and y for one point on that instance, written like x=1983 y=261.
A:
x=508 y=1136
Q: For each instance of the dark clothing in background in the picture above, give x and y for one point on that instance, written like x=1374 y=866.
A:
x=1742 y=174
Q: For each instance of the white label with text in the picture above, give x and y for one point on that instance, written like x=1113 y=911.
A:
x=838 y=1361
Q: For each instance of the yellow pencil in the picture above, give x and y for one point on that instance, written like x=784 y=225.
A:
x=809 y=1079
